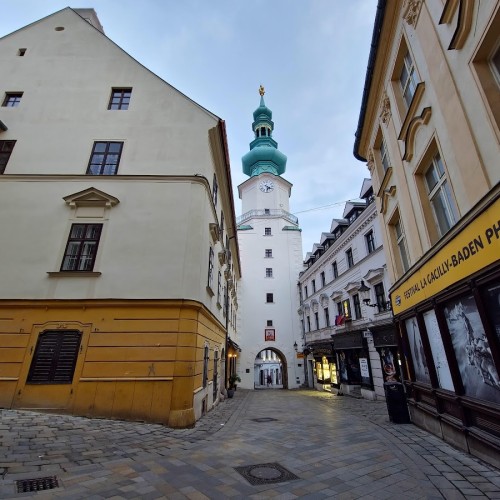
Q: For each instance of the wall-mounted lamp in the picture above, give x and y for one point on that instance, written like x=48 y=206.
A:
x=365 y=297
x=295 y=346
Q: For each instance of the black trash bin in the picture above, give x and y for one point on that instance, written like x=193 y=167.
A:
x=395 y=398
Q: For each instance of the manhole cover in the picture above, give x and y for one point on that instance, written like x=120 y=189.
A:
x=265 y=473
x=265 y=419
x=38 y=484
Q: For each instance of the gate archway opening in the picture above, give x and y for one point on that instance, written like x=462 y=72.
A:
x=270 y=370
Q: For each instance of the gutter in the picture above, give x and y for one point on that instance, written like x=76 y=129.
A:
x=377 y=29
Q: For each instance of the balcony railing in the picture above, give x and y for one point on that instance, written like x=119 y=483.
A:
x=267 y=213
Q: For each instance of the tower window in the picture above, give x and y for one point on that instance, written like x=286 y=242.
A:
x=267 y=231
x=269 y=297
x=263 y=131
x=21 y=52
x=269 y=253
x=120 y=98
x=269 y=272
x=12 y=99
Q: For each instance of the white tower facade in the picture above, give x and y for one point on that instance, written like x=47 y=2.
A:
x=270 y=242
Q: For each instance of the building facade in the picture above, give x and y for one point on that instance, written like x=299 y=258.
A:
x=120 y=266
x=429 y=129
x=349 y=336
x=270 y=244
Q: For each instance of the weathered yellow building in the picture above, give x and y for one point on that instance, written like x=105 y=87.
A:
x=119 y=256
x=429 y=130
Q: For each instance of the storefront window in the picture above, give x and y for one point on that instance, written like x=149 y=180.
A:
x=349 y=367
x=475 y=361
x=319 y=371
x=326 y=369
x=333 y=373
x=437 y=348
x=492 y=299
x=417 y=351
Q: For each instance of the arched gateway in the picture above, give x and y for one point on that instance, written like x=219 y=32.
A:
x=270 y=370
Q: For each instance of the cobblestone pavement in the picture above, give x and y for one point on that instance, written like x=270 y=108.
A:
x=336 y=447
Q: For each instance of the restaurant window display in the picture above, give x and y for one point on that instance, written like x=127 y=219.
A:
x=475 y=360
x=438 y=353
x=417 y=351
x=349 y=367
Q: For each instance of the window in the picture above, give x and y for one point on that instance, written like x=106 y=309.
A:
x=306 y=292
x=323 y=280
x=55 y=357
x=120 y=98
x=267 y=231
x=401 y=244
x=349 y=258
x=221 y=226
x=6 y=148
x=408 y=79
x=441 y=199
x=268 y=253
x=495 y=64
x=12 y=99
x=269 y=322
x=224 y=301
x=210 y=267
x=346 y=309
x=316 y=318
x=81 y=249
x=370 y=241
x=205 y=365
x=308 y=324
x=335 y=270
x=269 y=272
x=327 y=316
x=384 y=157
x=215 y=188
x=267 y=211
x=219 y=287
x=105 y=158
x=269 y=297
x=21 y=52
x=340 y=310
x=380 y=297
x=313 y=283
x=357 y=306
x=215 y=376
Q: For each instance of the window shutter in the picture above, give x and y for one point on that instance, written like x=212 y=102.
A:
x=55 y=357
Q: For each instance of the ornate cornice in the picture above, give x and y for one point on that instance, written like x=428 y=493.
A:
x=411 y=11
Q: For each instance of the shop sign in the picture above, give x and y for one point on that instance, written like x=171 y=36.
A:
x=477 y=246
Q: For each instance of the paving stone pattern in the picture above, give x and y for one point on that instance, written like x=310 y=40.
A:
x=338 y=447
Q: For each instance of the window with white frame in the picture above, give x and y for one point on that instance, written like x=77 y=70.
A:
x=316 y=318
x=380 y=300
x=323 y=280
x=269 y=272
x=268 y=253
x=384 y=156
x=357 y=306
x=210 y=267
x=408 y=78
x=313 y=284
x=327 y=316
x=349 y=258
x=401 y=244
x=215 y=189
x=219 y=288
x=335 y=270
x=370 y=241
x=440 y=196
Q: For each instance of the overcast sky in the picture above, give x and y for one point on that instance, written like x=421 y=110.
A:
x=310 y=55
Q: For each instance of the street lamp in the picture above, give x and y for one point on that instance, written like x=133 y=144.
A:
x=365 y=296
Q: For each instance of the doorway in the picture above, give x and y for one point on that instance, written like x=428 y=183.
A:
x=270 y=370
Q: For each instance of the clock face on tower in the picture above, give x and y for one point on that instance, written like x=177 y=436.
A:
x=266 y=186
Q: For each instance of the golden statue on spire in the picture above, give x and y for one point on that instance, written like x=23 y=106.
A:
x=261 y=90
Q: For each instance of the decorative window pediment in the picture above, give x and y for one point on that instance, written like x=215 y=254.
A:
x=314 y=305
x=352 y=287
x=91 y=197
x=337 y=294
x=222 y=257
x=374 y=274
x=324 y=300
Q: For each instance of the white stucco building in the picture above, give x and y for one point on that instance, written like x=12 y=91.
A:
x=119 y=256
x=270 y=245
x=348 y=331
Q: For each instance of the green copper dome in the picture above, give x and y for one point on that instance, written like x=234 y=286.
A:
x=264 y=155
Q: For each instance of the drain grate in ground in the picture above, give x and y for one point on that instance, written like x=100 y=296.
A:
x=265 y=419
x=38 y=484
x=265 y=473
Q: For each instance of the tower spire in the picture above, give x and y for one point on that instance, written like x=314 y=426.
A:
x=264 y=155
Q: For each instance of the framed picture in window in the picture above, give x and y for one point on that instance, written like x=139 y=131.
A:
x=269 y=335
